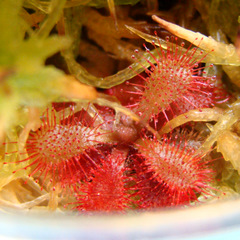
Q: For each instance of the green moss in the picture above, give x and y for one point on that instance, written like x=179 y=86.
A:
x=103 y=3
x=25 y=80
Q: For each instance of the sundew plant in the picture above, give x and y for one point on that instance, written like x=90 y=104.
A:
x=118 y=105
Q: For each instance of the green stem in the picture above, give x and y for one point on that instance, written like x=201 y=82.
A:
x=55 y=11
